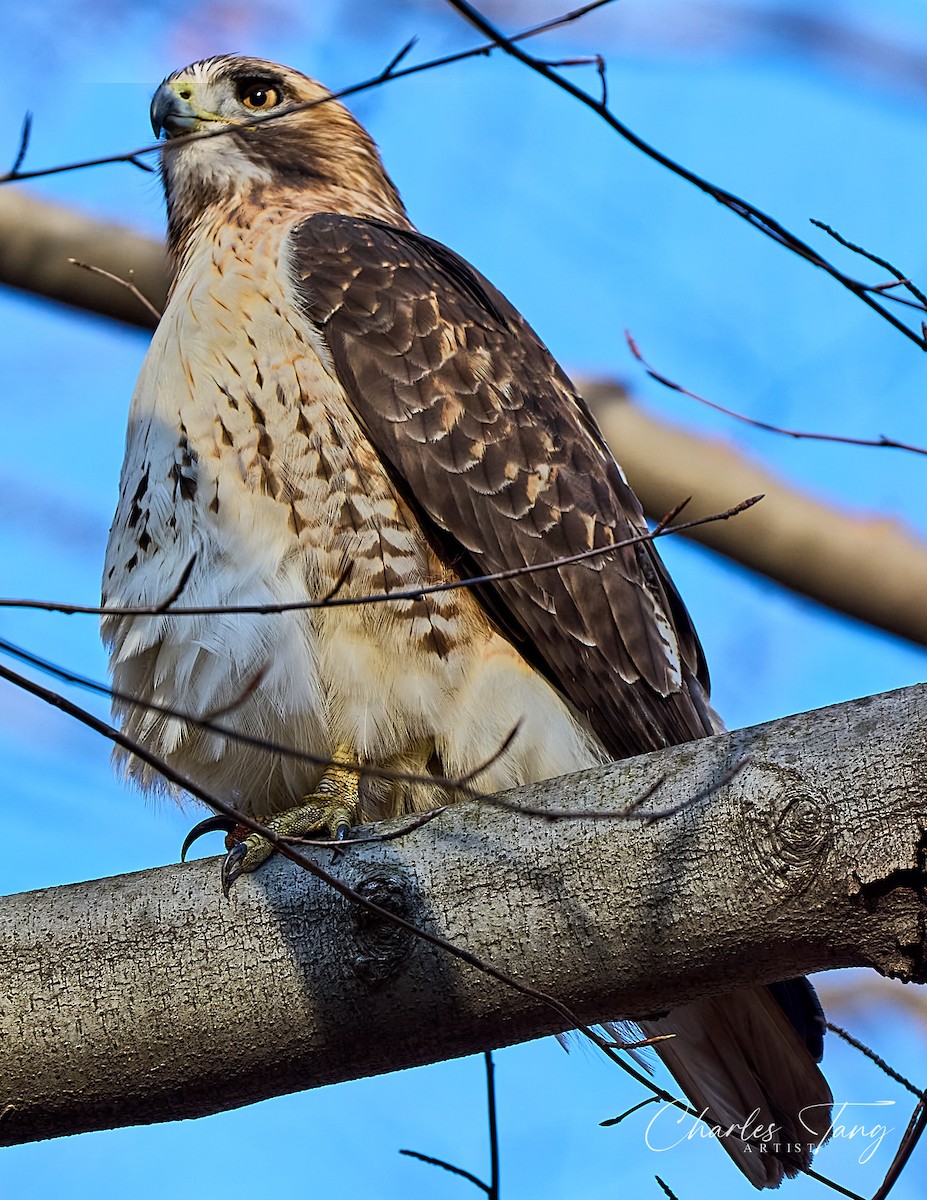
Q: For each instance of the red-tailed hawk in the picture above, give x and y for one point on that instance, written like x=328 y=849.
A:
x=332 y=398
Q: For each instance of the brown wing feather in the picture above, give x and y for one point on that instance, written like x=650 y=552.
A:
x=502 y=459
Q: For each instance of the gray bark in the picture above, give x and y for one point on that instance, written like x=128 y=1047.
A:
x=148 y=997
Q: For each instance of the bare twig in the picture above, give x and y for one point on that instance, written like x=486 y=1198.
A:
x=575 y=814
x=446 y=1166
x=367 y=839
x=912 y=1135
x=23 y=145
x=244 y=695
x=879 y=1062
x=397 y=58
x=492 y=1188
x=754 y=216
x=464 y=786
x=126 y=283
x=832 y=1184
x=916 y=1124
x=416 y=593
x=901 y=280
x=493 y=1125
x=881 y=441
x=629 y=1112
x=387 y=75
x=176 y=591
x=663 y=814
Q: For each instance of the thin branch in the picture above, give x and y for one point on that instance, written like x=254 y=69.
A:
x=917 y=1122
x=912 y=1135
x=446 y=1166
x=883 y=1066
x=493 y=1125
x=629 y=1112
x=416 y=593
x=244 y=695
x=126 y=283
x=367 y=839
x=575 y=814
x=901 y=280
x=23 y=144
x=832 y=1184
x=754 y=216
x=492 y=1188
x=463 y=786
x=881 y=441
x=385 y=76
x=175 y=593
x=397 y=58
x=663 y=814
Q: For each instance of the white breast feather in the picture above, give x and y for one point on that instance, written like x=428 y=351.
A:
x=360 y=675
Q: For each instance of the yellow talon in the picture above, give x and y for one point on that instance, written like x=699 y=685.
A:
x=331 y=809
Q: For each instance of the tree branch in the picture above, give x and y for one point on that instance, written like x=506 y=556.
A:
x=870 y=567
x=38 y=238
x=147 y=997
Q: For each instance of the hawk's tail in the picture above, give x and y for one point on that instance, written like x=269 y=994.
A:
x=752 y=1072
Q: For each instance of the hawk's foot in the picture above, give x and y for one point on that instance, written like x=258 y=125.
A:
x=330 y=811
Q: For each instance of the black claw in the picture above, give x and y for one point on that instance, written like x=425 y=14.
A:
x=342 y=832
x=232 y=866
x=215 y=824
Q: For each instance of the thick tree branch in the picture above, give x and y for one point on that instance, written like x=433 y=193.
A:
x=38 y=238
x=873 y=569
x=147 y=997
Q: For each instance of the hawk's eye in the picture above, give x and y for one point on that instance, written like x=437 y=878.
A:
x=259 y=95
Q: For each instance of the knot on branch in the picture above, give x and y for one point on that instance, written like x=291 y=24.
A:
x=381 y=947
x=800 y=831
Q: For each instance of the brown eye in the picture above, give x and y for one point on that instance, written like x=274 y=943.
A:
x=260 y=96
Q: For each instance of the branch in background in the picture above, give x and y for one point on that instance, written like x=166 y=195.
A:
x=871 y=568
x=859 y=996
x=38 y=238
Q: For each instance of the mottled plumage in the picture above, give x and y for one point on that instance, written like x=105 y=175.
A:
x=333 y=400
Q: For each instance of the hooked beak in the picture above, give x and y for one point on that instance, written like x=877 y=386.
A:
x=171 y=114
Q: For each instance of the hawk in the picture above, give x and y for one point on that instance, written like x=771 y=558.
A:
x=334 y=402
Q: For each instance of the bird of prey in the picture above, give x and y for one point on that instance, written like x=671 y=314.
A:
x=335 y=403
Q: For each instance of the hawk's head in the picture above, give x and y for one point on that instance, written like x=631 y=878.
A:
x=234 y=126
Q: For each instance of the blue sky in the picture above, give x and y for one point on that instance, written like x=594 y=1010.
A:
x=588 y=239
